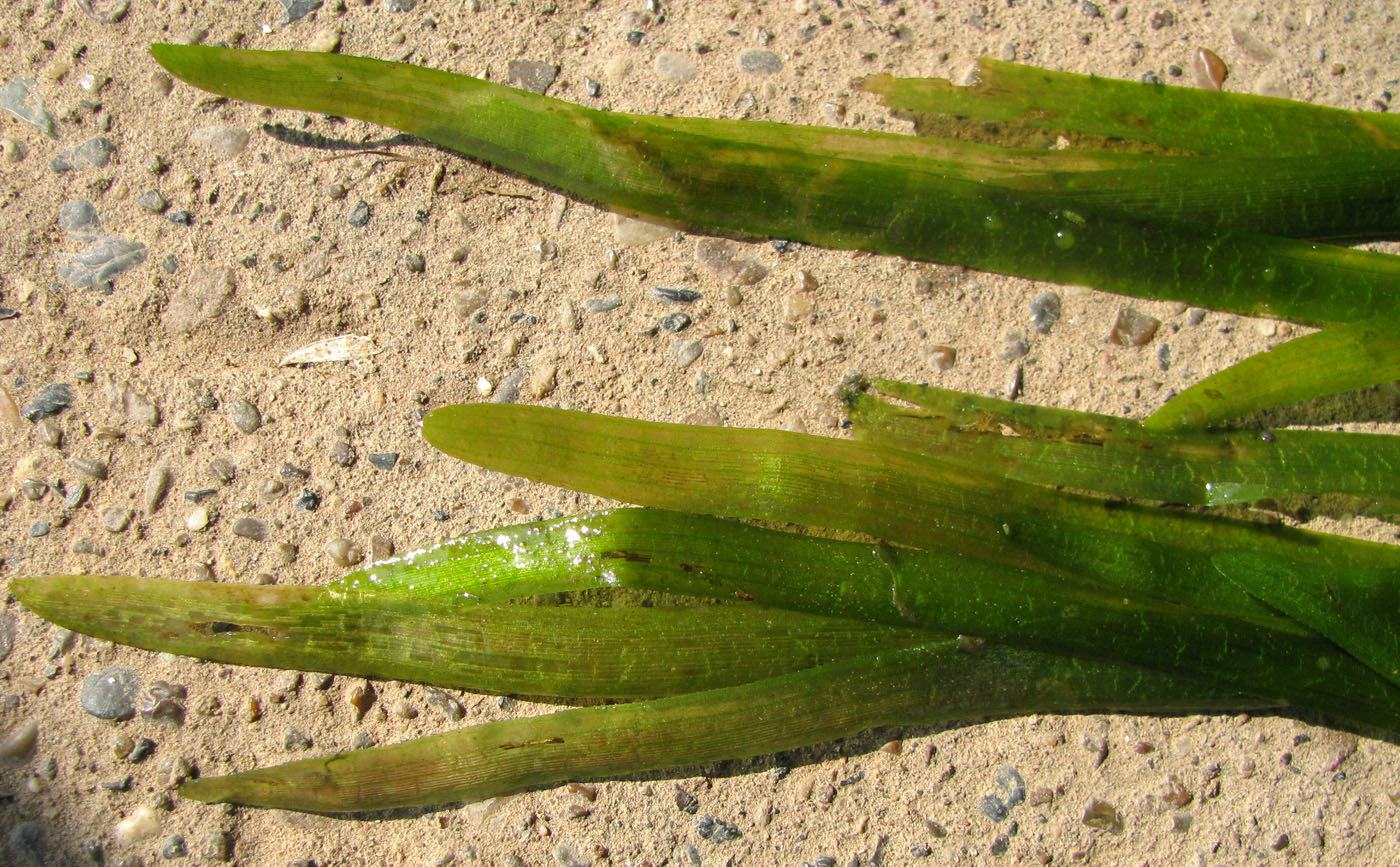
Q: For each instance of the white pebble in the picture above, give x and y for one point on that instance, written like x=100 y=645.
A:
x=142 y=824
x=197 y=520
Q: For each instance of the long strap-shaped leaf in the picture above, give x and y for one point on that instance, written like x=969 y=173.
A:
x=1339 y=359
x=561 y=652
x=899 y=496
x=921 y=685
x=1343 y=473
x=772 y=179
x=1211 y=122
x=416 y=618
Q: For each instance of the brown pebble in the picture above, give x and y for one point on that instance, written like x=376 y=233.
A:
x=250 y=528
x=381 y=547
x=222 y=470
x=343 y=454
x=361 y=697
x=344 y=552
x=1132 y=328
x=589 y=792
x=943 y=357
x=1211 y=71
x=19 y=742
x=1103 y=816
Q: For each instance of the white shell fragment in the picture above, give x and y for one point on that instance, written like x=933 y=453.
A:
x=347 y=347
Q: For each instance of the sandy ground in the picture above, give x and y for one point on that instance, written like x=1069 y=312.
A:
x=269 y=244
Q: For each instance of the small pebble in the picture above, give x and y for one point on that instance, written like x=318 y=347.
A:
x=760 y=61
x=225 y=142
x=179 y=218
x=685 y=352
x=78 y=218
x=91 y=467
x=51 y=400
x=533 y=75
x=384 y=460
x=250 y=528
x=1103 y=816
x=12 y=150
x=1013 y=346
x=115 y=518
x=592 y=87
x=19 y=742
x=223 y=470
x=157 y=486
x=677 y=296
x=98 y=264
x=343 y=552
x=174 y=848
x=326 y=41
x=197 y=519
x=602 y=305
x=141 y=750
x=153 y=201
x=39 y=529
x=359 y=214
x=1010 y=786
x=675 y=322
x=342 y=454
x=111 y=693
x=142 y=824
x=943 y=357
x=1211 y=71
x=721 y=257
x=245 y=415
x=94 y=153
x=716 y=830
x=307 y=501
x=1132 y=328
x=294 y=741
x=215 y=846
x=1045 y=312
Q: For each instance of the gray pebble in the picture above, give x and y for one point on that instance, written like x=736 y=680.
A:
x=297 y=10
x=602 y=305
x=1000 y=844
x=400 y=5
x=760 y=61
x=91 y=467
x=685 y=352
x=79 y=219
x=21 y=98
x=250 y=528
x=533 y=75
x=105 y=11
x=359 y=214
x=509 y=389
x=153 y=201
x=115 y=518
x=174 y=848
x=141 y=750
x=39 y=529
x=992 y=807
x=294 y=741
x=137 y=407
x=309 y=501
x=1013 y=346
x=721 y=257
x=1045 y=312
x=446 y=704
x=98 y=264
x=678 y=296
x=716 y=830
x=179 y=218
x=111 y=693
x=7 y=634
x=675 y=322
x=384 y=460
x=361 y=741
x=1090 y=10
x=245 y=415
x=1164 y=356
x=75 y=496
x=1010 y=786
x=592 y=87
x=94 y=153
x=8 y=313
x=200 y=495
x=415 y=263
x=52 y=400
x=27 y=842
x=223 y=470
x=1196 y=315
